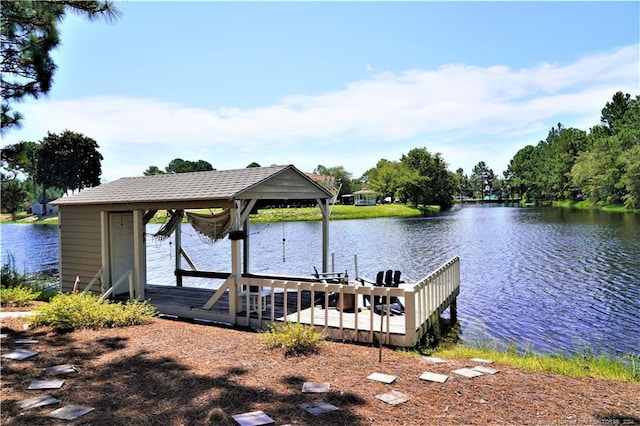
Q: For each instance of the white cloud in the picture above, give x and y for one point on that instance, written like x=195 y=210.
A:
x=454 y=109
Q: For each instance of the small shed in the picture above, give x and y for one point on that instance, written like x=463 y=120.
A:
x=102 y=229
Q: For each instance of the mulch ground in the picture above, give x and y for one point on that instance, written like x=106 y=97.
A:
x=179 y=373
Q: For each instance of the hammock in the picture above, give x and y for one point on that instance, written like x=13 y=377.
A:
x=167 y=229
x=214 y=227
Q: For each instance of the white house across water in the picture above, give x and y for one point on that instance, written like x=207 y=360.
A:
x=102 y=247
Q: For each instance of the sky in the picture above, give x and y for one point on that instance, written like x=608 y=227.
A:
x=333 y=83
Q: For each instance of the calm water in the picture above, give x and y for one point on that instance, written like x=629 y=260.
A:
x=549 y=280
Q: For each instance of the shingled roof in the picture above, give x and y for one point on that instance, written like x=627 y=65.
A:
x=194 y=186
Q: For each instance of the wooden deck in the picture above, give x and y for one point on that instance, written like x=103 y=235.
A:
x=277 y=300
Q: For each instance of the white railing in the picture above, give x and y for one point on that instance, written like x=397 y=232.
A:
x=424 y=302
x=431 y=296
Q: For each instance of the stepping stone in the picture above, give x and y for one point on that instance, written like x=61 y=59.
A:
x=26 y=342
x=393 y=397
x=318 y=407
x=486 y=370
x=435 y=360
x=434 y=377
x=19 y=354
x=384 y=378
x=45 y=384
x=61 y=369
x=483 y=361
x=38 y=401
x=467 y=372
x=70 y=412
x=253 y=418
x=315 y=387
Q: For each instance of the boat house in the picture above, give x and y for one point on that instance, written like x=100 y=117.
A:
x=103 y=250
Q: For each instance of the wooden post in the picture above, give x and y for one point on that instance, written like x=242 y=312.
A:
x=140 y=254
x=178 y=254
x=453 y=311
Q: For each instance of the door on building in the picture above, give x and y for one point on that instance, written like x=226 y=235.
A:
x=121 y=247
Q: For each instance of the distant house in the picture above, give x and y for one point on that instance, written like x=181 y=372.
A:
x=329 y=182
x=36 y=208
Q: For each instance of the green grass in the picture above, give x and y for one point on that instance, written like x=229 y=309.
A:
x=588 y=205
x=340 y=211
x=585 y=364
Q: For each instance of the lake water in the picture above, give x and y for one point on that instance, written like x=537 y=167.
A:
x=549 y=280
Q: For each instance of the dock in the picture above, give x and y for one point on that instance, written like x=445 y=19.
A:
x=272 y=300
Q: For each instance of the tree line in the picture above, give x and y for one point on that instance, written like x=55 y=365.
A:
x=601 y=165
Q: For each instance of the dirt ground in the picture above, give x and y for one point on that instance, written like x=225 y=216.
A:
x=179 y=373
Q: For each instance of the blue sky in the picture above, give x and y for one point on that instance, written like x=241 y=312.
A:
x=334 y=83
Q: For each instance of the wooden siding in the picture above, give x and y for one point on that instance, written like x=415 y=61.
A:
x=80 y=247
x=286 y=185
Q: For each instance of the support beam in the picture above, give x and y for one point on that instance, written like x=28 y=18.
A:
x=139 y=254
x=178 y=256
x=324 y=207
x=246 y=211
x=236 y=259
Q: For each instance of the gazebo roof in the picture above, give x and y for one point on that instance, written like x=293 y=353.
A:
x=274 y=182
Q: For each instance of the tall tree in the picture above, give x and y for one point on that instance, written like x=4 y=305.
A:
x=70 y=161
x=178 y=165
x=615 y=110
x=385 y=177
x=28 y=34
x=481 y=180
x=153 y=170
x=429 y=182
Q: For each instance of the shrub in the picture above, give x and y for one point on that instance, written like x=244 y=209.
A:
x=293 y=338
x=17 y=296
x=71 y=311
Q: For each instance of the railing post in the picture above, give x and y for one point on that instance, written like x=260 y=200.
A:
x=410 y=318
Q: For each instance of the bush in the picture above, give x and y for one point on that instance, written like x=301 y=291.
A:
x=17 y=296
x=71 y=311
x=293 y=338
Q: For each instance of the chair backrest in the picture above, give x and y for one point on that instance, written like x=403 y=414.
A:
x=380 y=279
x=388 y=278
x=396 y=278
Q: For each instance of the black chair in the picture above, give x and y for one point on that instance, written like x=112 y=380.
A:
x=396 y=278
x=392 y=279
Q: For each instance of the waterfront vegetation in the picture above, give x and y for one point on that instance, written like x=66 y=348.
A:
x=20 y=289
x=583 y=364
